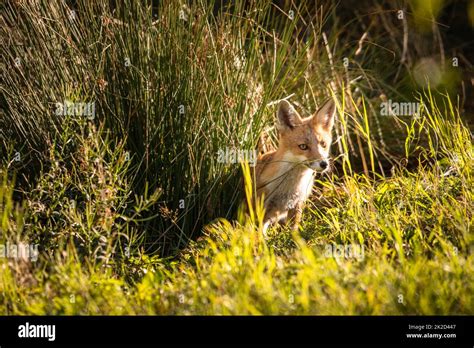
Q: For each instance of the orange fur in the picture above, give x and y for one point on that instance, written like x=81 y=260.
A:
x=285 y=176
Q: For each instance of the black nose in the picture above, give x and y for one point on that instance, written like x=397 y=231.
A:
x=323 y=164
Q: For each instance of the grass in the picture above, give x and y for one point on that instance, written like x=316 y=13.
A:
x=413 y=232
x=132 y=212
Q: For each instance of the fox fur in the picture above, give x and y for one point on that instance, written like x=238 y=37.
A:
x=285 y=177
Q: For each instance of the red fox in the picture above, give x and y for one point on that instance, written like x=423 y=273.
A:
x=285 y=176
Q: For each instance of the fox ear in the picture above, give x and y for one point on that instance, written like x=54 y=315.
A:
x=287 y=116
x=324 y=117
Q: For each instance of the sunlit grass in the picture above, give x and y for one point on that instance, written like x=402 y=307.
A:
x=133 y=214
x=415 y=229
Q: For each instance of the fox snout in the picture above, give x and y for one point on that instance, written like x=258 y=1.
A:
x=319 y=166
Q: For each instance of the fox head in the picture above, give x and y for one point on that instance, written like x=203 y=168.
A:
x=306 y=140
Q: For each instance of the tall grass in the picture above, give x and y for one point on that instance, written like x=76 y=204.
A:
x=413 y=233
x=177 y=83
x=116 y=202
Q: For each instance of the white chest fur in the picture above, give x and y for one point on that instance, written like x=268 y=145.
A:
x=291 y=185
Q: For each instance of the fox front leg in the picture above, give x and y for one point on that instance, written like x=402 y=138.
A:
x=294 y=216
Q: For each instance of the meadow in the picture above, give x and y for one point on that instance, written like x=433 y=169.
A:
x=114 y=199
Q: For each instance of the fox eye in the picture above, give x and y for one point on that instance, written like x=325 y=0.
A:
x=303 y=146
x=323 y=143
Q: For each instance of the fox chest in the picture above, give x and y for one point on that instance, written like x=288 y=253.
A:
x=288 y=188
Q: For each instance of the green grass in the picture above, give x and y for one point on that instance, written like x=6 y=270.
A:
x=415 y=229
x=103 y=198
